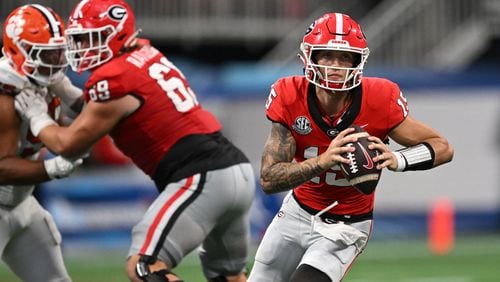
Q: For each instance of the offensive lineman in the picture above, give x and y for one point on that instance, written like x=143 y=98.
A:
x=34 y=45
x=324 y=223
x=144 y=102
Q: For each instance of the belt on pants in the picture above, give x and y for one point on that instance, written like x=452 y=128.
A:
x=332 y=218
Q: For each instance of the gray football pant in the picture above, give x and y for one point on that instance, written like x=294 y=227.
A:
x=30 y=243
x=208 y=209
x=289 y=242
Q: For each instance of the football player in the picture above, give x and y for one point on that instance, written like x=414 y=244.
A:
x=324 y=223
x=33 y=62
x=144 y=102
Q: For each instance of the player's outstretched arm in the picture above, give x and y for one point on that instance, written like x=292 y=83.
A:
x=18 y=171
x=425 y=147
x=278 y=172
x=15 y=170
x=96 y=120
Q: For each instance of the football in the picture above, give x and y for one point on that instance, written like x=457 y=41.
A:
x=362 y=172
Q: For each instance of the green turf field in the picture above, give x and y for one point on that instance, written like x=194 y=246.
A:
x=474 y=259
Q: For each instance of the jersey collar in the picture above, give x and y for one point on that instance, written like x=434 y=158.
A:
x=347 y=118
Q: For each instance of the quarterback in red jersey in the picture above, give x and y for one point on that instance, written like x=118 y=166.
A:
x=324 y=223
x=140 y=98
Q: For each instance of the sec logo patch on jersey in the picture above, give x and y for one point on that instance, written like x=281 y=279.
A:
x=302 y=125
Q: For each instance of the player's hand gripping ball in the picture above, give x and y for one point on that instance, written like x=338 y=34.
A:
x=362 y=172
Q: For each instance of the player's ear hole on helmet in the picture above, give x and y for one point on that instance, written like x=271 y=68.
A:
x=25 y=46
x=121 y=37
x=107 y=31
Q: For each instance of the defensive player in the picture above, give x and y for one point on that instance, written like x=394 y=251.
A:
x=324 y=223
x=144 y=102
x=34 y=62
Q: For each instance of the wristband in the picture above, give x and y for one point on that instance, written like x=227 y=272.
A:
x=401 y=161
x=40 y=122
x=419 y=157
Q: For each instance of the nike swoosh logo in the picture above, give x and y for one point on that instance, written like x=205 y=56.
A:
x=369 y=164
x=364 y=125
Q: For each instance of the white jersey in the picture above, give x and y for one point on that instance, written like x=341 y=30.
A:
x=28 y=146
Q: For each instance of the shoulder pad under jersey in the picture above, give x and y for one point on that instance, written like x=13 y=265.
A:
x=10 y=81
x=109 y=82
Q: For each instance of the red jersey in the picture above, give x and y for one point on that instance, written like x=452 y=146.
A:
x=169 y=109
x=378 y=106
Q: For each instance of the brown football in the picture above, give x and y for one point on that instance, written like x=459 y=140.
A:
x=362 y=172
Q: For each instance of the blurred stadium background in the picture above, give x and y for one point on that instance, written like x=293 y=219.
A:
x=444 y=54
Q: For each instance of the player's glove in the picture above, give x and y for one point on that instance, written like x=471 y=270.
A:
x=60 y=167
x=32 y=107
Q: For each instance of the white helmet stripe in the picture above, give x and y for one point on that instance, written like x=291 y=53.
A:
x=78 y=10
x=339 y=26
x=54 y=24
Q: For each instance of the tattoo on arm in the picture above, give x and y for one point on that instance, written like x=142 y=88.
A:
x=278 y=172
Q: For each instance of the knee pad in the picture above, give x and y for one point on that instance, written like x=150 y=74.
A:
x=144 y=273
x=308 y=273
x=157 y=276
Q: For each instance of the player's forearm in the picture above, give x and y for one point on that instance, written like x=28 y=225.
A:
x=62 y=142
x=18 y=171
x=282 y=177
x=442 y=149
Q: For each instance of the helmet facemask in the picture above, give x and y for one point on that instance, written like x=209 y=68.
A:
x=44 y=63
x=98 y=31
x=314 y=71
x=334 y=32
x=89 y=48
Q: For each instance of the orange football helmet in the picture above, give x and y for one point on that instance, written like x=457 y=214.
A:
x=34 y=43
x=97 y=31
x=336 y=32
